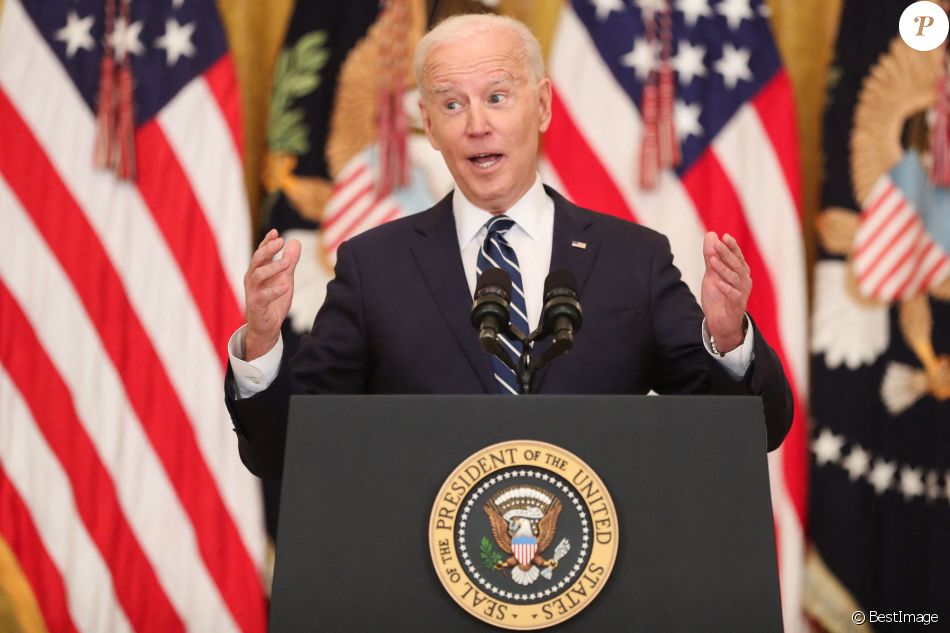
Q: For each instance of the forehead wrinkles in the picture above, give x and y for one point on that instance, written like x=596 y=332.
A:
x=507 y=64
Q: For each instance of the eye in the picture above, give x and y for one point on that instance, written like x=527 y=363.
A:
x=452 y=105
x=496 y=97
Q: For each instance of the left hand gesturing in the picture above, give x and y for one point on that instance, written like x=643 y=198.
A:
x=725 y=290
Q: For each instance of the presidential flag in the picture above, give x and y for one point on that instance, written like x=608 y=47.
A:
x=126 y=237
x=678 y=115
x=346 y=150
x=880 y=487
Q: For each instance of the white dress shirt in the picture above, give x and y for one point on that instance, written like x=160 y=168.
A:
x=531 y=238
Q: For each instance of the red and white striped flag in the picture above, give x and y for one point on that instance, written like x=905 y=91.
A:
x=121 y=492
x=894 y=257
x=355 y=205
x=738 y=173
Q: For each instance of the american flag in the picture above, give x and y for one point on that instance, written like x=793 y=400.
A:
x=355 y=205
x=734 y=118
x=121 y=492
x=895 y=258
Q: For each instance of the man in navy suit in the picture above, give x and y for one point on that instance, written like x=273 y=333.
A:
x=396 y=316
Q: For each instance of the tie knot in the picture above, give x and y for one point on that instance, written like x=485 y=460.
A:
x=499 y=225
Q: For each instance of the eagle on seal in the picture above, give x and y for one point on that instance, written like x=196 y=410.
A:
x=524 y=521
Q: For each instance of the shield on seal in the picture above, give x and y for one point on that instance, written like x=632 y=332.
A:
x=524 y=548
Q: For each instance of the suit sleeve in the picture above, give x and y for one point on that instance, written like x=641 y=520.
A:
x=331 y=360
x=685 y=366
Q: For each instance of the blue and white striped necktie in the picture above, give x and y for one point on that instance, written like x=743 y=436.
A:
x=497 y=253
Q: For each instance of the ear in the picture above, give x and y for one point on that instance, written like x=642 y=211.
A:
x=544 y=104
x=427 y=124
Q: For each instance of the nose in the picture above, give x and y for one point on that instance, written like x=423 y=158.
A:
x=477 y=123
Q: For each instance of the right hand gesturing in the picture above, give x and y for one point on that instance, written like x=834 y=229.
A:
x=268 y=291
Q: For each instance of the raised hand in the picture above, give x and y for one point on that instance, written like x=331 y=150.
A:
x=725 y=290
x=268 y=291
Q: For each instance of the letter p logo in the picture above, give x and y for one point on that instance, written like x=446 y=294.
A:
x=924 y=21
x=924 y=26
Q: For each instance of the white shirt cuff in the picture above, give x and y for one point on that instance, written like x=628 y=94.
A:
x=736 y=362
x=251 y=377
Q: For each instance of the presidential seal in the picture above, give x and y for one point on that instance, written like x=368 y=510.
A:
x=523 y=535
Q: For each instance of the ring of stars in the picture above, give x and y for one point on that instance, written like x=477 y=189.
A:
x=546 y=478
x=883 y=475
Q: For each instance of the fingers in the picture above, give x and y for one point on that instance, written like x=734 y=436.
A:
x=727 y=250
x=269 y=237
x=260 y=296
x=709 y=245
x=727 y=256
x=734 y=247
x=273 y=291
x=265 y=272
x=269 y=278
x=725 y=273
x=733 y=294
x=261 y=278
x=269 y=246
x=263 y=263
x=292 y=254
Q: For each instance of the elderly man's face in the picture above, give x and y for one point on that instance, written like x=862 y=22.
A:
x=481 y=109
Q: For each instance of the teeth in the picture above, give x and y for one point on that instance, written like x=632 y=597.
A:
x=478 y=160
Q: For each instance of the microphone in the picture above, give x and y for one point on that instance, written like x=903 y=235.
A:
x=490 y=309
x=561 y=315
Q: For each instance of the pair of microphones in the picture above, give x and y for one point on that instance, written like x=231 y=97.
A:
x=561 y=318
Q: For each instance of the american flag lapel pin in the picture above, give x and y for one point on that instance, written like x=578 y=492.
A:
x=580 y=245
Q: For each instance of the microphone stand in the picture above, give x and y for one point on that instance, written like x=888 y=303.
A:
x=526 y=367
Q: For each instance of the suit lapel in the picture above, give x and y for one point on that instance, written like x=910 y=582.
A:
x=572 y=249
x=440 y=261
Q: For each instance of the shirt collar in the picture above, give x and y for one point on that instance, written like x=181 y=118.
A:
x=528 y=213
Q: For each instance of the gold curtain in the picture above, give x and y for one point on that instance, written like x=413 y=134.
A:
x=255 y=33
x=806 y=31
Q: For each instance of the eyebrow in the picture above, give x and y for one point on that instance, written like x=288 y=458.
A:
x=447 y=87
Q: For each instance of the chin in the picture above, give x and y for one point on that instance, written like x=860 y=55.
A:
x=489 y=200
x=492 y=189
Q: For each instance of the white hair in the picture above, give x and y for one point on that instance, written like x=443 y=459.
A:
x=459 y=27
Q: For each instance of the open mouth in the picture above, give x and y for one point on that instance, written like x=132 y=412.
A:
x=485 y=161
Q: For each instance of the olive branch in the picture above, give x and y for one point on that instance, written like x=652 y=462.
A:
x=489 y=555
x=296 y=75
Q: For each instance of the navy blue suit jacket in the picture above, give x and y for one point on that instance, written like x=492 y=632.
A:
x=396 y=320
